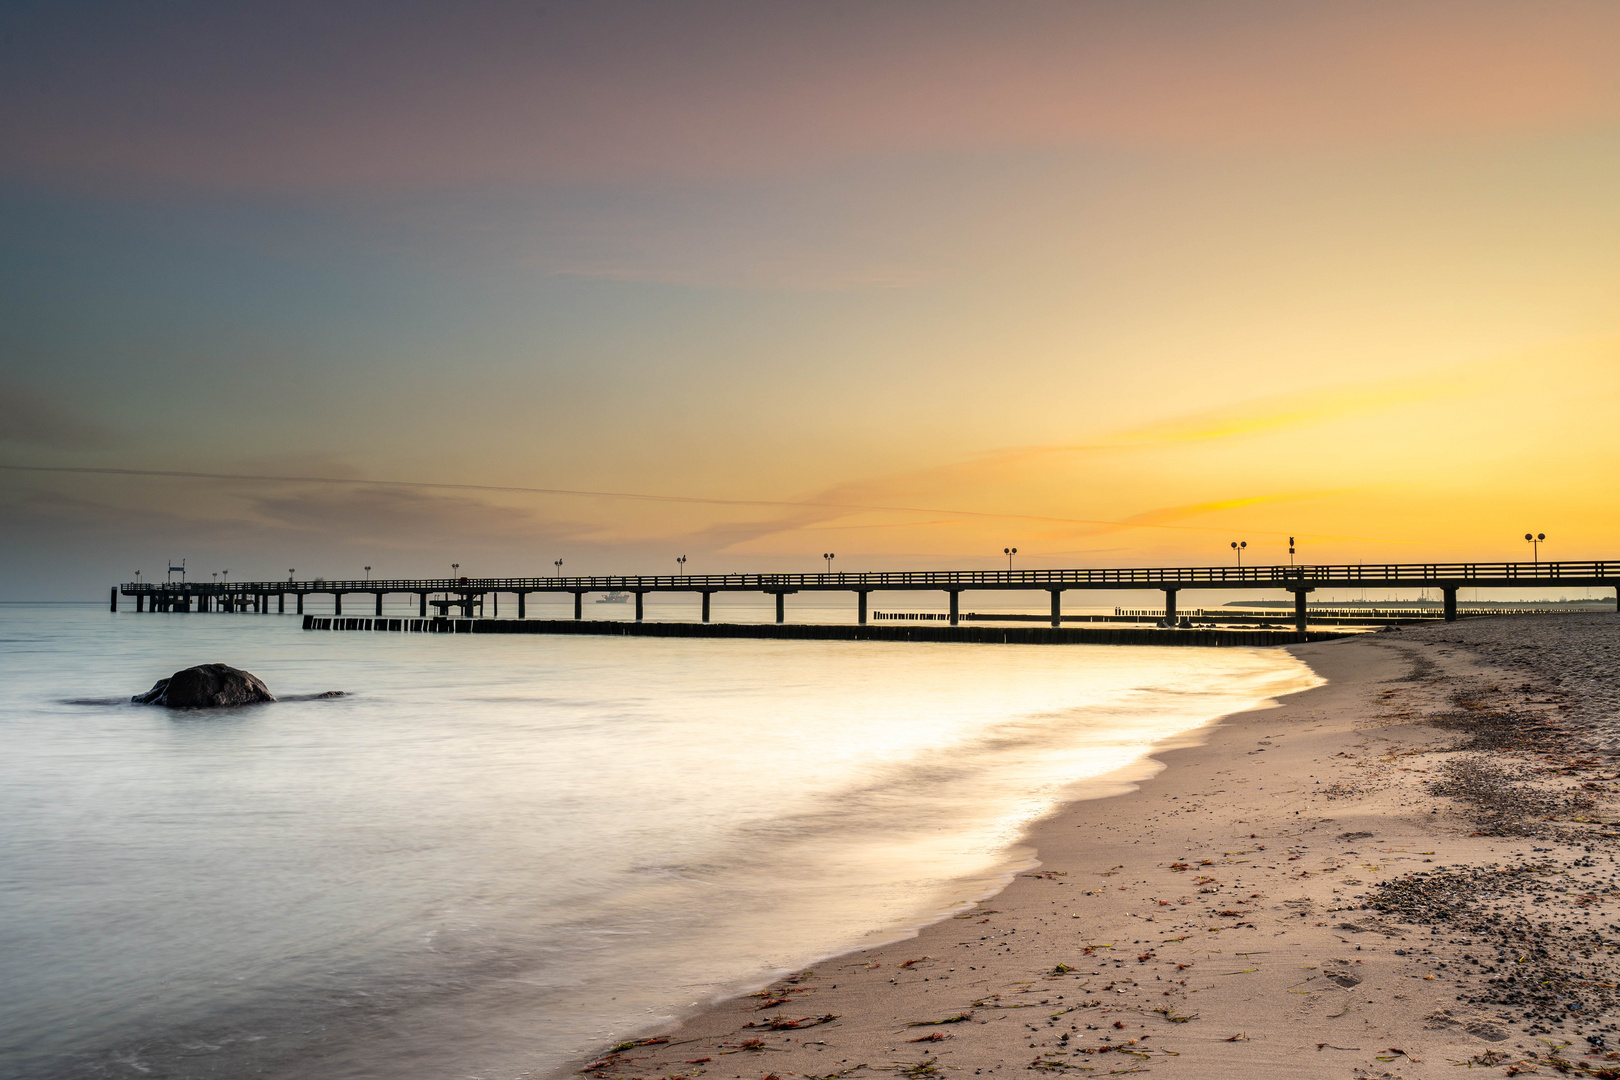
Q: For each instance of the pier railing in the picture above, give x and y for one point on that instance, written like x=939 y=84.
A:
x=1371 y=575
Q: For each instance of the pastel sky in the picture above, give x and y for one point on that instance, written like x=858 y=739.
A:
x=402 y=284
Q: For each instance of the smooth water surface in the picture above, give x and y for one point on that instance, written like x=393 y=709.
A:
x=499 y=851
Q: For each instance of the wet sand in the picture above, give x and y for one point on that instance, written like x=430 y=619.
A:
x=1404 y=871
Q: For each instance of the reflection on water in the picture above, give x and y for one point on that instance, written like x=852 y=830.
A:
x=499 y=851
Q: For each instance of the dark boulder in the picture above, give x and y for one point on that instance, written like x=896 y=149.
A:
x=206 y=686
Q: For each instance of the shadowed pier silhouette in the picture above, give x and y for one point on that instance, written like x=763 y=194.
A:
x=465 y=596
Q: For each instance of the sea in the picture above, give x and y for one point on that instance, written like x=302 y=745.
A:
x=495 y=854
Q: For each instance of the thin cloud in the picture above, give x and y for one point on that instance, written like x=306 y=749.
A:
x=29 y=418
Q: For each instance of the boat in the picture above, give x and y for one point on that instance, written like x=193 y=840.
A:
x=615 y=598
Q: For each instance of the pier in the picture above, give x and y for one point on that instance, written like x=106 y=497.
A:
x=465 y=597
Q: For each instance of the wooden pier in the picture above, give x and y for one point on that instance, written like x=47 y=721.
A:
x=466 y=596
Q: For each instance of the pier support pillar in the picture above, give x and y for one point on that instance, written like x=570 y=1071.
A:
x=1170 y=605
x=379 y=603
x=1301 y=614
x=956 y=606
x=421 y=606
x=115 y=598
x=579 y=606
x=523 y=605
x=281 y=603
x=139 y=602
x=300 y=603
x=264 y=603
x=638 y=605
x=1451 y=602
x=337 y=603
x=861 y=606
x=781 y=607
x=706 y=606
x=1057 y=607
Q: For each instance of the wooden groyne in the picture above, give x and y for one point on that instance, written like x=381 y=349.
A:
x=988 y=635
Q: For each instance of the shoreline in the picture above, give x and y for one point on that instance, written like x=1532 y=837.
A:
x=1243 y=907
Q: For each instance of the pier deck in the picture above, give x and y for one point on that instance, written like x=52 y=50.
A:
x=467 y=594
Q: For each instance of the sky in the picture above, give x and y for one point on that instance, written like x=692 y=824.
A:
x=325 y=285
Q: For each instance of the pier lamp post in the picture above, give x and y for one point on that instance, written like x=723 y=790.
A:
x=1535 y=543
x=290 y=573
x=137 y=577
x=1238 y=546
x=225 y=575
x=214 y=576
x=368 y=573
x=829 y=556
x=680 y=561
x=455 y=569
x=1009 y=552
x=1290 y=551
x=558 y=565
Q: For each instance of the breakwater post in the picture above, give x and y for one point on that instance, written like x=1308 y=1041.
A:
x=986 y=635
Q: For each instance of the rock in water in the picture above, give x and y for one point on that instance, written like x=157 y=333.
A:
x=206 y=686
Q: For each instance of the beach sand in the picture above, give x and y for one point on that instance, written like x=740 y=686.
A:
x=1403 y=871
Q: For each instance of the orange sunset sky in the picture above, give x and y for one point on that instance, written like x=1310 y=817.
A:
x=1113 y=283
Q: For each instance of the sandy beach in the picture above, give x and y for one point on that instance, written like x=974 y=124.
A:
x=1404 y=871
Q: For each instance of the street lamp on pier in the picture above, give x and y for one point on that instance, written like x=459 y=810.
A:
x=1009 y=552
x=680 y=563
x=290 y=573
x=1535 y=543
x=829 y=556
x=455 y=569
x=368 y=573
x=1238 y=546
x=558 y=565
x=1290 y=551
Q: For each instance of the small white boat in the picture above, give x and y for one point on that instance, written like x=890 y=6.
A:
x=615 y=598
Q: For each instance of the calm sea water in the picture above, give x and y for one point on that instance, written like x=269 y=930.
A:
x=499 y=852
